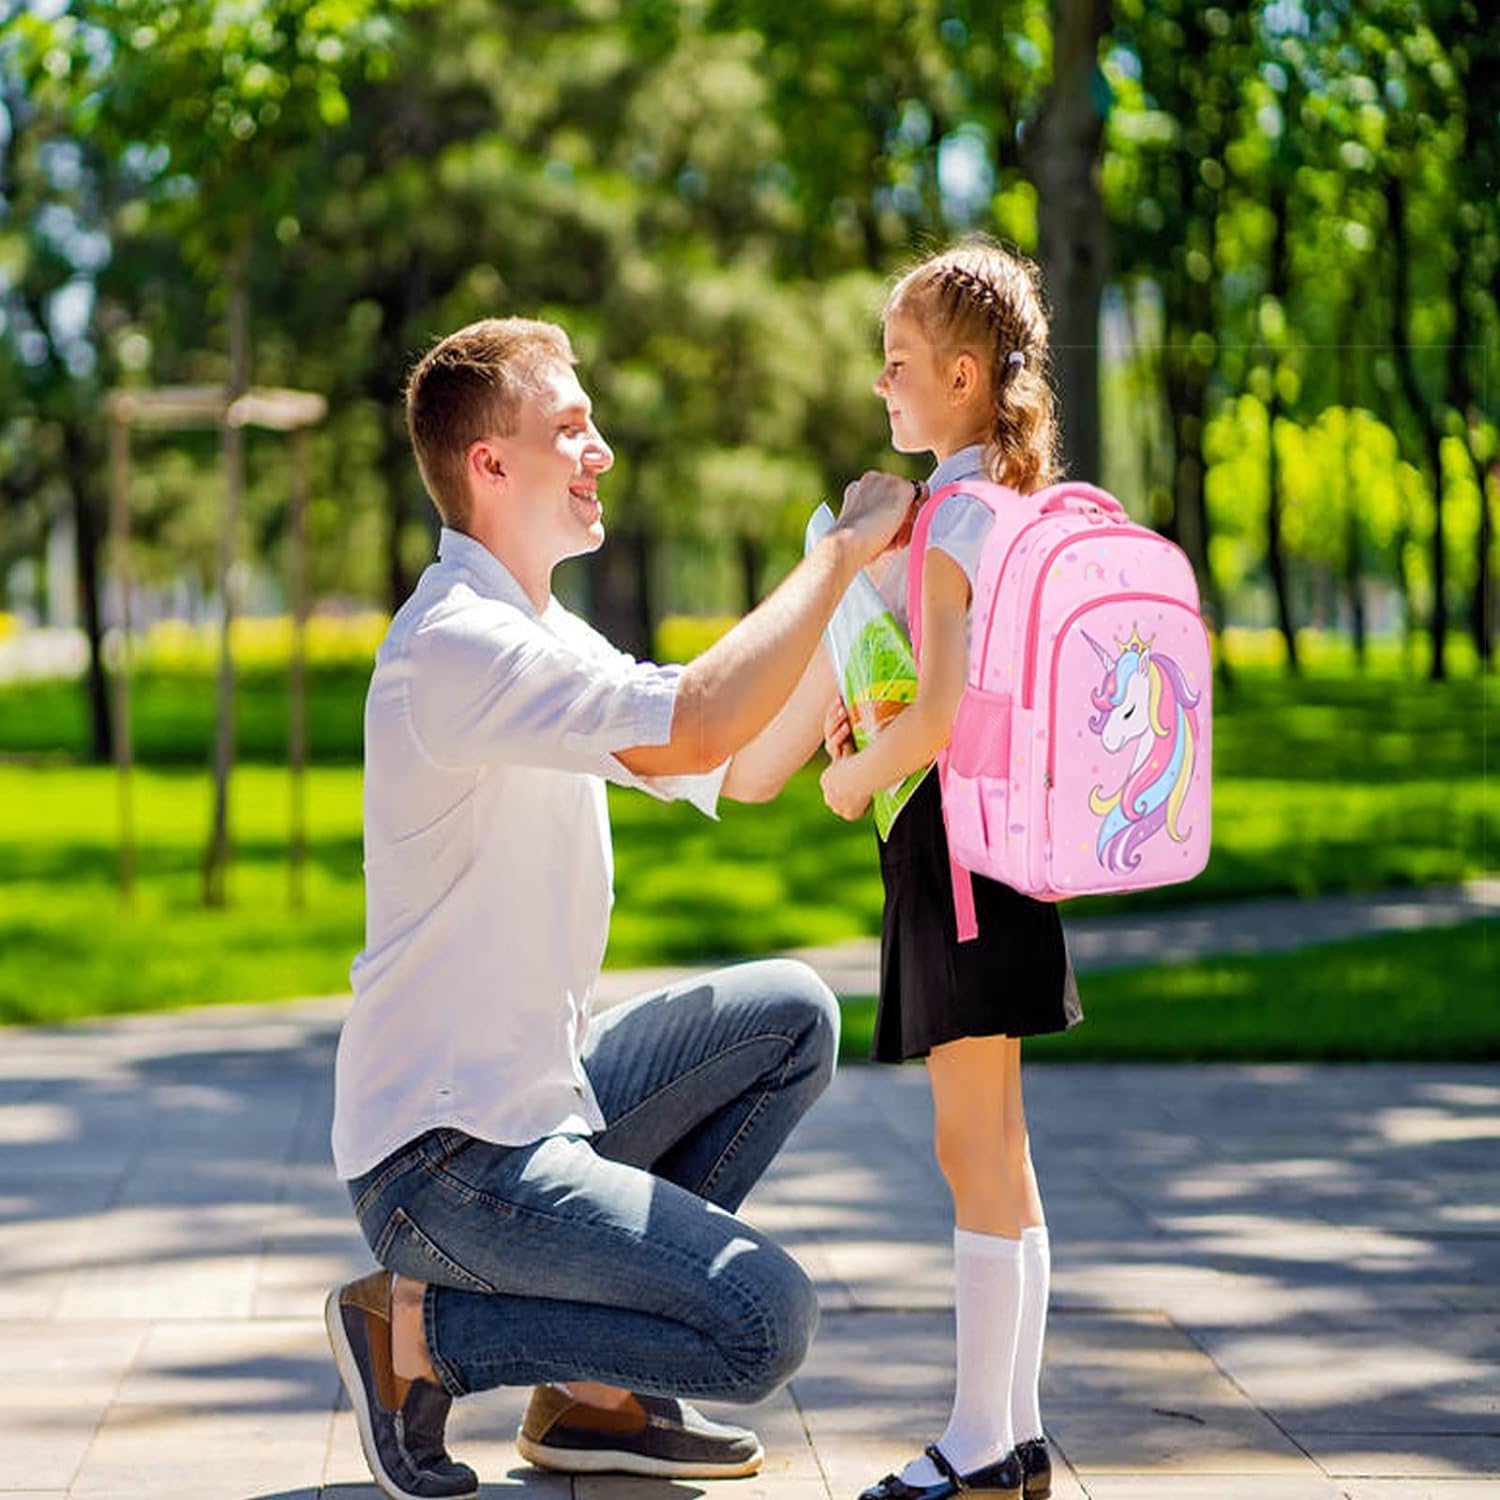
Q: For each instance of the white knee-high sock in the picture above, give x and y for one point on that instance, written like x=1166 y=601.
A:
x=987 y=1305
x=1025 y=1388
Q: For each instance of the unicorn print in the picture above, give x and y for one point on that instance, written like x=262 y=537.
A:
x=1143 y=704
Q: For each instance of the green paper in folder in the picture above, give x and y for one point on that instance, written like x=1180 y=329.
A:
x=877 y=673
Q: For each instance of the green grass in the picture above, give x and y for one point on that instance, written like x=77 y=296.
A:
x=68 y=948
x=1403 y=997
x=172 y=713
x=1330 y=784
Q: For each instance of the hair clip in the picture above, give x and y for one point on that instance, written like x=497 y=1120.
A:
x=1016 y=357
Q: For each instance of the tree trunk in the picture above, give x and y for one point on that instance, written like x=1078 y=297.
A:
x=1483 y=610
x=1061 y=154
x=1186 y=393
x=619 y=591
x=396 y=466
x=1275 y=558
x=1353 y=534
x=1425 y=417
x=752 y=565
x=88 y=510
x=1354 y=591
x=1391 y=414
x=1461 y=391
x=398 y=300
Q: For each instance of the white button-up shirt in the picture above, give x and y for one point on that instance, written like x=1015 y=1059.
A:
x=489 y=732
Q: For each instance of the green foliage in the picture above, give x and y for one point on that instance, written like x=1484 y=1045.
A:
x=218 y=101
x=712 y=198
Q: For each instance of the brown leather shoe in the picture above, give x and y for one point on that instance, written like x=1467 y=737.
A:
x=656 y=1435
x=401 y=1422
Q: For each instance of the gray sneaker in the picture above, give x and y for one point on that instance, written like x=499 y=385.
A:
x=655 y=1435
x=400 y=1422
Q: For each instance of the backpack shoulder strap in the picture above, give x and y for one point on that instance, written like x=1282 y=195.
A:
x=994 y=496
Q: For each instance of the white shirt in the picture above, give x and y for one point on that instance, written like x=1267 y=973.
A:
x=489 y=732
x=959 y=528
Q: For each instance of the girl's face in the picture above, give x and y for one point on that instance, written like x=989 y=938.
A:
x=918 y=391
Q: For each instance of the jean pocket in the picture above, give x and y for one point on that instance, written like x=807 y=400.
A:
x=403 y=1248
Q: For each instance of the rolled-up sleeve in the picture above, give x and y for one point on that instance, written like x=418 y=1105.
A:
x=490 y=685
x=702 y=789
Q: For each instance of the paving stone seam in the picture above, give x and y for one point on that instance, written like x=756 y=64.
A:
x=791 y=1390
x=1058 y=1453
x=1197 y=1343
x=328 y=1441
x=1112 y=1188
x=114 y=1396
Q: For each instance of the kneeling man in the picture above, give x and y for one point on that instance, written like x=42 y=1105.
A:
x=552 y=1196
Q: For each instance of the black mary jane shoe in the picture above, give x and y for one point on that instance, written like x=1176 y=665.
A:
x=1036 y=1466
x=1003 y=1480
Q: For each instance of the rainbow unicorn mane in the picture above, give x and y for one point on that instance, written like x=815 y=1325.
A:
x=1142 y=693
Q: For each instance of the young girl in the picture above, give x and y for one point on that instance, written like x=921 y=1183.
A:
x=964 y=379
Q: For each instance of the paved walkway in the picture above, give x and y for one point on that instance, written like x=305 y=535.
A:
x=1279 y=1282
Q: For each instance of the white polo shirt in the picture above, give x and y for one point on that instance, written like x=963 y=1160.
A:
x=489 y=732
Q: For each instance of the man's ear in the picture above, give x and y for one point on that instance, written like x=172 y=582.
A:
x=485 y=463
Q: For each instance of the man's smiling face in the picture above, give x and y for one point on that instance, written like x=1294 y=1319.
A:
x=553 y=461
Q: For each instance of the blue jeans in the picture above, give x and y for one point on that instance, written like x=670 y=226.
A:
x=617 y=1257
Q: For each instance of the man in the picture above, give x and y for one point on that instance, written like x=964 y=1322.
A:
x=552 y=1198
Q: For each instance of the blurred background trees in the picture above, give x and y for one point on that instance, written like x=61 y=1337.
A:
x=1270 y=234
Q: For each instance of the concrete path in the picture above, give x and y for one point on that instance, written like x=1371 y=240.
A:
x=1278 y=1282
x=1171 y=936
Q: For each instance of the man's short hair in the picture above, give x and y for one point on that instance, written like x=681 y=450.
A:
x=471 y=385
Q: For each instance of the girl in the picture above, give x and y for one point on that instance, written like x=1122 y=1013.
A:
x=964 y=379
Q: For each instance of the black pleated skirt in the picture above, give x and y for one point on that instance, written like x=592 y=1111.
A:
x=1014 y=979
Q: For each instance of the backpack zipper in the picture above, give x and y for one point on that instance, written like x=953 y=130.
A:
x=1034 y=616
x=984 y=655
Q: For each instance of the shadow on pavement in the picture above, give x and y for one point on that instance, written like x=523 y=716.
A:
x=1301 y=1257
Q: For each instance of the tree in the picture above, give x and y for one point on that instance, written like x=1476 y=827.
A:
x=1062 y=160
x=222 y=105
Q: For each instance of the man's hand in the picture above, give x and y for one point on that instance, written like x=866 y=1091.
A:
x=727 y=696
x=878 y=509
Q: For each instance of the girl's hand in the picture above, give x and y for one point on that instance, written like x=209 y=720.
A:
x=841 y=791
x=838 y=735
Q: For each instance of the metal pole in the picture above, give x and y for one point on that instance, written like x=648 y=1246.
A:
x=216 y=859
x=119 y=547
x=297 y=729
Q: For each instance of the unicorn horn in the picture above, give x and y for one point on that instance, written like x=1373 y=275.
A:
x=1099 y=650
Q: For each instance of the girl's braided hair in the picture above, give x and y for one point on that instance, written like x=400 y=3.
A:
x=986 y=300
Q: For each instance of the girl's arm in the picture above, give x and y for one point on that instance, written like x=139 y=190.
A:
x=760 y=769
x=919 y=732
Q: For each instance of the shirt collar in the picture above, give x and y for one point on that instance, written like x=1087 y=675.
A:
x=491 y=577
x=967 y=463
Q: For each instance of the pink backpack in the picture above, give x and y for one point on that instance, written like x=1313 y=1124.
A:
x=1080 y=755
